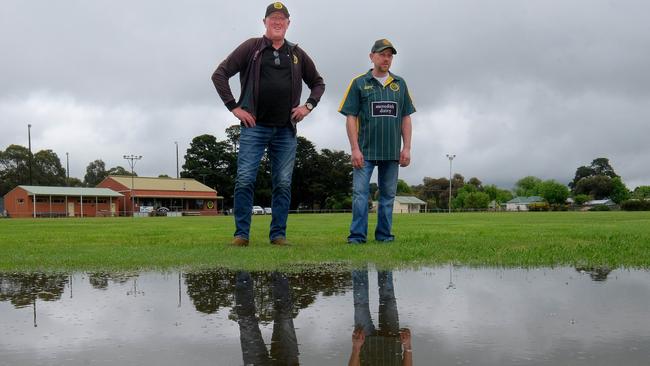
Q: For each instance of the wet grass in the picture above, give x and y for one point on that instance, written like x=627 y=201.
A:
x=612 y=239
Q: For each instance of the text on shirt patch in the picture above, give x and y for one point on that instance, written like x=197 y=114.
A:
x=384 y=109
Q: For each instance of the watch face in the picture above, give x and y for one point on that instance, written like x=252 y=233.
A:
x=309 y=106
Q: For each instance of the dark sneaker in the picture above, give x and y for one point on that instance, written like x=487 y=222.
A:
x=238 y=241
x=356 y=241
x=280 y=242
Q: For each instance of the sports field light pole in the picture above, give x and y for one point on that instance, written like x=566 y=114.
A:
x=67 y=169
x=133 y=159
x=29 y=139
x=450 y=157
x=176 y=142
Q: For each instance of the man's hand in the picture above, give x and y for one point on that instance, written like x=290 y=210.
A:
x=357 y=159
x=358 y=338
x=405 y=338
x=246 y=118
x=298 y=113
x=405 y=157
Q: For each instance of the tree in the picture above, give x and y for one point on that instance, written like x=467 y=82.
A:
x=620 y=192
x=477 y=200
x=95 y=173
x=476 y=183
x=527 y=186
x=641 y=192
x=212 y=162
x=597 y=186
x=553 y=192
x=14 y=168
x=403 y=188
x=497 y=194
x=599 y=166
x=580 y=199
x=120 y=170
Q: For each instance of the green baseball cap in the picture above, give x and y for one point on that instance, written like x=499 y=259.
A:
x=276 y=6
x=382 y=44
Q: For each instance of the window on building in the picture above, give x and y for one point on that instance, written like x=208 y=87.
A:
x=20 y=201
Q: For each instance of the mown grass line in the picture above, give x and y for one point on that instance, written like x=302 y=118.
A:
x=613 y=239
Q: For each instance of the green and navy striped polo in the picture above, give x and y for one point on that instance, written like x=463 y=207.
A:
x=379 y=110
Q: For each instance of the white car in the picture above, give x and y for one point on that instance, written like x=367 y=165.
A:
x=258 y=210
x=267 y=210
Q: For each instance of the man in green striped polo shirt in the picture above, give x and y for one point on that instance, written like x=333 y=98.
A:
x=378 y=109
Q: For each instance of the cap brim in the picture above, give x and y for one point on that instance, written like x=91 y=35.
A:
x=385 y=48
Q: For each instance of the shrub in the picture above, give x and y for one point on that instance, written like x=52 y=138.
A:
x=600 y=208
x=539 y=206
x=635 y=205
x=559 y=207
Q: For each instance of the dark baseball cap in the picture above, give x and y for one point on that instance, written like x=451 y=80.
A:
x=276 y=6
x=382 y=44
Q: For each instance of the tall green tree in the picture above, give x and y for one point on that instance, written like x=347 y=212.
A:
x=403 y=188
x=597 y=186
x=527 y=186
x=553 y=192
x=120 y=170
x=641 y=192
x=95 y=173
x=598 y=166
x=620 y=192
x=14 y=168
x=213 y=162
x=48 y=170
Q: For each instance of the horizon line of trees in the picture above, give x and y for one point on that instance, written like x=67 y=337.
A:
x=321 y=179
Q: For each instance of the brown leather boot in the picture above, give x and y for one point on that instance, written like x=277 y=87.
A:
x=238 y=241
x=280 y=242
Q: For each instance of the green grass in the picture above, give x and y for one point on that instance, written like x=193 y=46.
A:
x=613 y=239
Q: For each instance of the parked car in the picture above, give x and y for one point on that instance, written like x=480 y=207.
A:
x=258 y=210
x=267 y=210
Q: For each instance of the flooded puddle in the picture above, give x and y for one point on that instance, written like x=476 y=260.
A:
x=444 y=316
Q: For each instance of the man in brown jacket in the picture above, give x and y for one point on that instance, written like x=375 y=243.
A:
x=271 y=71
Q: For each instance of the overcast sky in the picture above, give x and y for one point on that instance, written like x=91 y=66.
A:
x=513 y=88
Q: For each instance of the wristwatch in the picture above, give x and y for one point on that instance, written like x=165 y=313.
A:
x=309 y=106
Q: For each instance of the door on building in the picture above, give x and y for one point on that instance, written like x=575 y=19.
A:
x=71 y=209
x=112 y=208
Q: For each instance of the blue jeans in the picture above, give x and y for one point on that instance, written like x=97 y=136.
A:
x=388 y=317
x=281 y=143
x=388 y=171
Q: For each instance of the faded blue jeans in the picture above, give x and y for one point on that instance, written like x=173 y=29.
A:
x=387 y=176
x=281 y=143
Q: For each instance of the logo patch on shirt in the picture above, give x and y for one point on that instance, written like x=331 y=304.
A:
x=366 y=87
x=295 y=59
x=384 y=109
x=394 y=87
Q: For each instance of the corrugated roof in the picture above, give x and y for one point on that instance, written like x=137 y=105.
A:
x=409 y=200
x=531 y=199
x=162 y=184
x=70 y=191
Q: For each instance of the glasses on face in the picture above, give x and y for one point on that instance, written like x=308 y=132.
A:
x=277 y=57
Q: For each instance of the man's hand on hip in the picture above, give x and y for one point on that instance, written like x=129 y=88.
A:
x=246 y=118
x=298 y=113
x=405 y=157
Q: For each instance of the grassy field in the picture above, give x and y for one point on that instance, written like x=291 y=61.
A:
x=613 y=239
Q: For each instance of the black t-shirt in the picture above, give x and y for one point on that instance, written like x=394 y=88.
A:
x=274 y=105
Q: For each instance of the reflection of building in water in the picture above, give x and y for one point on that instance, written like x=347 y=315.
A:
x=598 y=274
x=381 y=345
x=99 y=280
x=284 y=344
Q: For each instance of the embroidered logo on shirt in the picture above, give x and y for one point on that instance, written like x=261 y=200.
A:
x=394 y=87
x=384 y=109
x=366 y=87
x=295 y=59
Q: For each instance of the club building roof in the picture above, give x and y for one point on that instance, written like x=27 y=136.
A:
x=159 y=187
x=69 y=191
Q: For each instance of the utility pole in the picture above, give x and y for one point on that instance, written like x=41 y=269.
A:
x=177 y=176
x=29 y=139
x=450 y=157
x=67 y=169
x=133 y=159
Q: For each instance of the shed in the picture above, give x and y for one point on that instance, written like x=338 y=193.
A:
x=48 y=201
x=145 y=194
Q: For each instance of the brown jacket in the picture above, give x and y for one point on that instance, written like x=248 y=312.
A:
x=246 y=61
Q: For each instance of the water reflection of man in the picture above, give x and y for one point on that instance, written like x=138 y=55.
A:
x=284 y=344
x=387 y=344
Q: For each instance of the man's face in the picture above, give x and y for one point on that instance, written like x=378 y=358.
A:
x=276 y=26
x=382 y=60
